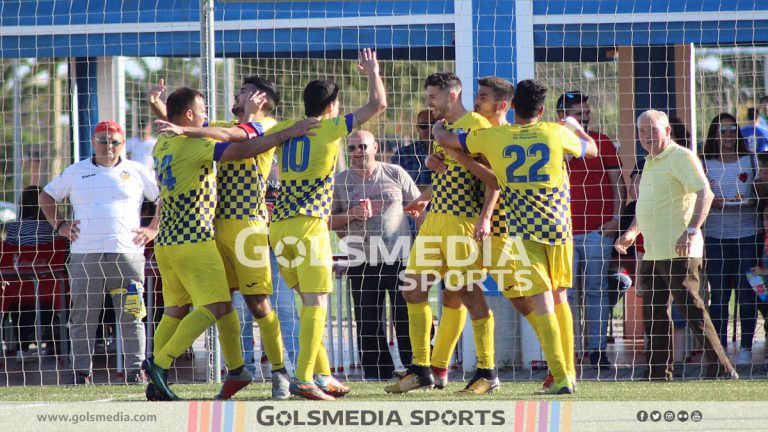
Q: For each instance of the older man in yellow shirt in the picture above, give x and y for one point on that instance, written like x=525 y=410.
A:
x=672 y=205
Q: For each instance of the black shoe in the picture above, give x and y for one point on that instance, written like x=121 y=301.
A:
x=80 y=378
x=599 y=360
x=135 y=377
x=158 y=377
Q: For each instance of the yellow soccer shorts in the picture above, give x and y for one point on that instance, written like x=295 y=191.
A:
x=302 y=245
x=192 y=273
x=538 y=268
x=444 y=246
x=244 y=248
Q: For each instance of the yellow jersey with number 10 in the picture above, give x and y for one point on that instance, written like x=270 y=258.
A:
x=529 y=163
x=307 y=166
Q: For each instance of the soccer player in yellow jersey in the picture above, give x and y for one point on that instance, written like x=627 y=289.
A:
x=528 y=159
x=241 y=221
x=299 y=232
x=190 y=264
x=455 y=219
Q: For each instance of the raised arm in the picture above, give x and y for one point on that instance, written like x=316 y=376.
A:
x=591 y=148
x=155 y=103
x=377 y=97
x=256 y=146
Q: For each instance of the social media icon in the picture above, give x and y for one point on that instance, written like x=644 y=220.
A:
x=655 y=416
x=682 y=416
x=696 y=416
x=669 y=416
x=642 y=416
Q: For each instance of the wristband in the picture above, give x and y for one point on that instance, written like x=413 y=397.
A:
x=58 y=227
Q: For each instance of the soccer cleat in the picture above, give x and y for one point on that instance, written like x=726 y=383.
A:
x=135 y=377
x=563 y=387
x=308 y=390
x=80 y=378
x=233 y=384
x=548 y=381
x=480 y=386
x=280 y=386
x=331 y=386
x=411 y=381
x=440 y=376
x=158 y=376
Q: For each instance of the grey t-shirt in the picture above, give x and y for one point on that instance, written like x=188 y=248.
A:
x=386 y=236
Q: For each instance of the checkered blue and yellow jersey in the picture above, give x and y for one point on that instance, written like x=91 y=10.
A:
x=307 y=165
x=187 y=182
x=456 y=191
x=529 y=163
x=241 y=184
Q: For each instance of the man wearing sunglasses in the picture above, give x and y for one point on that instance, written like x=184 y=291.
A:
x=368 y=214
x=413 y=157
x=107 y=251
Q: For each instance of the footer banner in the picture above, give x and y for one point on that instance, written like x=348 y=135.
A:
x=516 y=416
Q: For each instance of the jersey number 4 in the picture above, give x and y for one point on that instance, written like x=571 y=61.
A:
x=296 y=154
x=538 y=150
x=164 y=172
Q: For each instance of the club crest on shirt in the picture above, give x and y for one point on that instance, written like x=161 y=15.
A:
x=458 y=131
x=125 y=175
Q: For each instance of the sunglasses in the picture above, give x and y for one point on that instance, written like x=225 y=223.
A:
x=424 y=126
x=105 y=141
x=728 y=128
x=352 y=147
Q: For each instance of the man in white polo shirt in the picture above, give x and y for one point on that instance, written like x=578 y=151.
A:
x=107 y=251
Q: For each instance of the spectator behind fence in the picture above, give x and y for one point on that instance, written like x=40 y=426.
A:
x=673 y=203
x=107 y=252
x=139 y=149
x=30 y=230
x=731 y=232
x=368 y=214
x=412 y=158
x=595 y=206
x=756 y=135
x=762 y=119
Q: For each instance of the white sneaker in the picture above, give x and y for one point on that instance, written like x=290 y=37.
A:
x=744 y=357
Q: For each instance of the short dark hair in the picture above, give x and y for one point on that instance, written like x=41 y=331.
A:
x=444 y=80
x=29 y=203
x=530 y=95
x=502 y=89
x=318 y=94
x=267 y=86
x=180 y=101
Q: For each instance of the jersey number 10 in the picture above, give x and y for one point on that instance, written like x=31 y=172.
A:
x=539 y=150
x=296 y=154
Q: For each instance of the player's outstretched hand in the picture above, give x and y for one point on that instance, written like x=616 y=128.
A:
x=144 y=235
x=415 y=208
x=168 y=127
x=368 y=63
x=156 y=90
x=436 y=163
x=303 y=127
x=255 y=102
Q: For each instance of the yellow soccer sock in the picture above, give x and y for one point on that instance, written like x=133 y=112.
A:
x=272 y=339
x=549 y=338
x=531 y=318
x=451 y=325
x=419 y=329
x=311 y=325
x=322 y=365
x=484 y=343
x=164 y=332
x=190 y=328
x=565 y=322
x=230 y=341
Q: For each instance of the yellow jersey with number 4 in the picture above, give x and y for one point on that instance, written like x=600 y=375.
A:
x=529 y=163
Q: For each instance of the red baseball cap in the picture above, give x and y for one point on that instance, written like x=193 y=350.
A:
x=109 y=125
